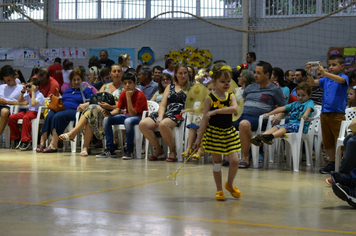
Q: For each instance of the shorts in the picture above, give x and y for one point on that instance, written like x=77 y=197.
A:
x=253 y=121
x=330 y=128
x=6 y=107
x=291 y=128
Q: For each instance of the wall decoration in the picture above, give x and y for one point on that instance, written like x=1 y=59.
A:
x=197 y=58
x=145 y=55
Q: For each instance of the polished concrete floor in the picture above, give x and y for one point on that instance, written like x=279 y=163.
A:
x=65 y=194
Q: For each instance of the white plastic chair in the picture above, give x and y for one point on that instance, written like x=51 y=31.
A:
x=294 y=142
x=71 y=125
x=255 y=150
x=317 y=138
x=350 y=115
x=152 y=106
x=178 y=133
x=6 y=133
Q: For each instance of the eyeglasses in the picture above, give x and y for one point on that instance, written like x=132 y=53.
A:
x=28 y=86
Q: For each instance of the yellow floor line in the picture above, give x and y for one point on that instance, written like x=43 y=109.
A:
x=112 y=189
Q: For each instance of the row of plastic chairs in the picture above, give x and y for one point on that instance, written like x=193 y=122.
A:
x=293 y=143
x=35 y=126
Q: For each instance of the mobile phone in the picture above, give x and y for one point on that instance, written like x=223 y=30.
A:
x=314 y=64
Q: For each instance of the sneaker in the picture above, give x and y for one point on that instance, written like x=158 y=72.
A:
x=235 y=192
x=345 y=193
x=106 y=154
x=327 y=169
x=342 y=179
x=17 y=143
x=219 y=195
x=266 y=138
x=256 y=141
x=127 y=156
x=24 y=146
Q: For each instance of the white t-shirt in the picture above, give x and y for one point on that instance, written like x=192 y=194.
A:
x=10 y=93
x=166 y=71
x=39 y=98
x=65 y=74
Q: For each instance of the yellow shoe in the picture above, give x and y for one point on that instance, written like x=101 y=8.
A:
x=198 y=155
x=235 y=192
x=187 y=153
x=219 y=195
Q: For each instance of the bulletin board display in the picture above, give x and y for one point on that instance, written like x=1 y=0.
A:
x=114 y=53
x=349 y=54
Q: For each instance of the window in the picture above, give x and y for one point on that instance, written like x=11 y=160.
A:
x=32 y=8
x=275 y=8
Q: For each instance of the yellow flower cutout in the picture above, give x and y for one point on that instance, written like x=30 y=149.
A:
x=196 y=90
x=218 y=105
x=191 y=99
x=238 y=67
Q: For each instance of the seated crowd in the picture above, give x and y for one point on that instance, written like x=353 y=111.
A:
x=266 y=90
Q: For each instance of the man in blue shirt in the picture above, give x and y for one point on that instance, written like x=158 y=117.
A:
x=147 y=85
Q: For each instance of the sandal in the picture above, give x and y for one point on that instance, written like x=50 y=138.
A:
x=198 y=155
x=83 y=154
x=40 y=148
x=65 y=137
x=187 y=153
x=49 y=149
x=171 y=159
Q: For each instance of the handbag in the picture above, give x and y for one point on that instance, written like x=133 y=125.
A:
x=102 y=97
x=56 y=104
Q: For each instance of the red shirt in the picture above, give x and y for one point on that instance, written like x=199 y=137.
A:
x=138 y=99
x=55 y=71
x=50 y=87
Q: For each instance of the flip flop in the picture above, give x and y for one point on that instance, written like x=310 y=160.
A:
x=66 y=137
x=83 y=153
x=244 y=165
x=171 y=159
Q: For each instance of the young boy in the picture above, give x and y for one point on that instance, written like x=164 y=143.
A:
x=135 y=102
x=301 y=108
x=334 y=84
x=30 y=95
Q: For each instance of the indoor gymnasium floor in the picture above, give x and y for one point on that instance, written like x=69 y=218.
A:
x=65 y=194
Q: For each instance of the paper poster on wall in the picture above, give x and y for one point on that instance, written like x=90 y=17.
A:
x=38 y=63
x=64 y=53
x=114 y=53
x=349 y=51
x=44 y=52
x=82 y=53
x=28 y=63
x=190 y=40
x=349 y=61
x=49 y=60
x=53 y=52
x=19 y=59
x=30 y=53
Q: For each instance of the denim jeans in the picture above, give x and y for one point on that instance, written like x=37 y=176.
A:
x=129 y=122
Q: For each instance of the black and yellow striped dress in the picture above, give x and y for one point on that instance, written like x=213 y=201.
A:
x=220 y=136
